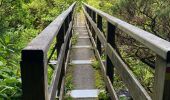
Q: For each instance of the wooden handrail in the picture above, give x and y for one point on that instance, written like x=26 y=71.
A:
x=34 y=59
x=113 y=60
x=148 y=39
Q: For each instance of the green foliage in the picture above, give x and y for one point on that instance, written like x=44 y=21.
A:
x=74 y=38
x=68 y=98
x=95 y=65
x=69 y=82
x=142 y=71
x=118 y=83
x=103 y=95
x=69 y=79
x=99 y=82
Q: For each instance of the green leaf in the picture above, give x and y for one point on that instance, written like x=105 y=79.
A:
x=1 y=63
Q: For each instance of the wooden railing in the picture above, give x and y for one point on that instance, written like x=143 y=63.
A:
x=161 y=90
x=34 y=59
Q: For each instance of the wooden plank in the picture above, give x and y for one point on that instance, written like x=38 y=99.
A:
x=60 y=38
x=61 y=97
x=34 y=75
x=107 y=80
x=56 y=74
x=162 y=81
x=99 y=25
x=110 y=36
x=149 y=40
x=146 y=38
x=94 y=16
x=110 y=88
x=34 y=60
x=135 y=88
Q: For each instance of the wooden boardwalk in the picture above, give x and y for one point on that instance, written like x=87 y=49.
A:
x=81 y=58
x=54 y=42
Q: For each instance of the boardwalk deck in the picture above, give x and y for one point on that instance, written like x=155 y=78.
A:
x=38 y=55
x=81 y=56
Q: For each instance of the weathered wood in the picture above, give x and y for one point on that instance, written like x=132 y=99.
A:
x=57 y=72
x=134 y=86
x=107 y=80
x=146 y=38
x=94 y=16
x=99 y=22
x=56 y=75
x=34 y=60
x=94 y=20
x=162 y=80
x=34 y=74
x=61 y=97
x=99 y=25
x=60 y=38
x=146 y=96
x=110 y=36
x=111 y=89
x=161 y=87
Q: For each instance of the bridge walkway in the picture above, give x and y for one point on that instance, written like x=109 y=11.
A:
x=81 y=58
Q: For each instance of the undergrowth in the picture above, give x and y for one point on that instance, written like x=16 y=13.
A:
x=69 y=82
x=99 y=81
x=74 y=39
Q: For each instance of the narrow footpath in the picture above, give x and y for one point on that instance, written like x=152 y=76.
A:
x=81 y=58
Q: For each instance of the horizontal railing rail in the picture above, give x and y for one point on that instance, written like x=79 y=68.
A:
x=34 y=59
x=161 y=47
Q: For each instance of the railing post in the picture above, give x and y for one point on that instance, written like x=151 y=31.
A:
x=94 y=16
x=60 y=38
x=66 y=23
x=162 y=79
x=34 y=75
x=111 y=40
x=91 y=15
x=99 y=25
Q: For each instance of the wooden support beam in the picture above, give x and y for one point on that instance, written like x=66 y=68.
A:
x=162 y=79
x=110 y=36
x=99 y=25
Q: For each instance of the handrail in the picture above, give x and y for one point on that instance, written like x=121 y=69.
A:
x=148 y=39
x=49 y=33
x=113 y=60
x=34 y=59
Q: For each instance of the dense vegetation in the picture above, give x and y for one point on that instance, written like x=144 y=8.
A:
x=22 y=20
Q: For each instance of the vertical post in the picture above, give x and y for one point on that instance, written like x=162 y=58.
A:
x=162 y=79
x=70 y=16
x=60 y=38
x=99 y=25
x=66 y=23
x=91 y=15
x=94 y=16
x=34 y=75
x=94 y=20
x=111 y=40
